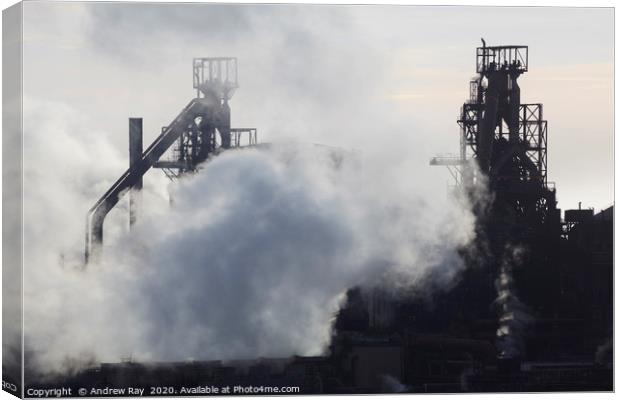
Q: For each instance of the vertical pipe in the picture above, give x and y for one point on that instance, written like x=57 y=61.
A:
x=488 y=122
x=224 y=124
x=135 y=155
x=514 y=106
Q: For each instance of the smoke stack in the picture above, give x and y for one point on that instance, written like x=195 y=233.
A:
x=135 y=155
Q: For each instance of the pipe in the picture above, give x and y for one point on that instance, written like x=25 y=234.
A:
x=135 y=155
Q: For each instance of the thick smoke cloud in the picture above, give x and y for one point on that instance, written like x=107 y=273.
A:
x=255 y=253
x=263 y=250
x=252 y=259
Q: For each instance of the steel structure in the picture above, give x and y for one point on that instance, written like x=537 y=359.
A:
x=200 y=130
x=506 y=138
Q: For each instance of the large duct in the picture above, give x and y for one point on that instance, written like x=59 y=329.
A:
x=135 y=154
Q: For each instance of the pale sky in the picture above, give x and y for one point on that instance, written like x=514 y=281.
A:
x=374 y=78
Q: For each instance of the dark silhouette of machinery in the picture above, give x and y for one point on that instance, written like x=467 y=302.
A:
x=503 y=142
x=507 y=139
x=200 y=130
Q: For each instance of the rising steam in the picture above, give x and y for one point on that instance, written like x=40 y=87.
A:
x=513 y=314
x=252 y=259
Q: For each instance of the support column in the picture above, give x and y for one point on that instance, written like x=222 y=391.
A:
x=135 y=155
x=224 y=125
x=514 y=106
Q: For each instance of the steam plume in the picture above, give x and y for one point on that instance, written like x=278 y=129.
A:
x=513 y=315
x=252 y=259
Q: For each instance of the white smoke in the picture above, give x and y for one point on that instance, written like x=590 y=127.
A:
x=393 y=385
x=259 y=247
x=514 y=316
x=604 y=352
x=252 y=259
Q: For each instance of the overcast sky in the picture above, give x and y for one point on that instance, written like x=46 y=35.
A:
x=375 y=78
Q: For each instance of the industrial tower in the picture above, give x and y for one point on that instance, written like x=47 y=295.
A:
x=200 y=130
x=508 y=141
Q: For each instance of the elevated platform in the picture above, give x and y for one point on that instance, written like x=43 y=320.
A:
x=504 y=58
